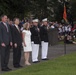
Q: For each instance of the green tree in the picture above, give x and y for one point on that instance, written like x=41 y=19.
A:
x=73 y=9
x=51 y=9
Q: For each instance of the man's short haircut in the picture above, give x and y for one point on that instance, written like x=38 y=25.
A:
x=3 y=16
x=15 y=19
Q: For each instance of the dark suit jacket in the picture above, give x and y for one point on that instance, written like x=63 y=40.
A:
x=5 y=37
x=35 y=37
x=16 y=36
x=44 y=33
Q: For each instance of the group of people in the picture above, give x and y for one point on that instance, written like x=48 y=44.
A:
x=28 y=38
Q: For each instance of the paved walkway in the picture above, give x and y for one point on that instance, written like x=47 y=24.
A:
x=54 y=52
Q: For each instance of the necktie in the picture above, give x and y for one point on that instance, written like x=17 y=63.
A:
x=6 y=27
x=18 y=28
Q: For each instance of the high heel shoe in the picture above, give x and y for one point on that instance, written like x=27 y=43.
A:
x=28 y=64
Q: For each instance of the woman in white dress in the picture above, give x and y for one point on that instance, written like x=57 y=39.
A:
x=26 y=42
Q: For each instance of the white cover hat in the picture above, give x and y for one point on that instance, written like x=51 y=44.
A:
x=44 y=20
x=35 y=20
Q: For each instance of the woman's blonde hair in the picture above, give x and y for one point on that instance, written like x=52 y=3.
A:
x=25 y=25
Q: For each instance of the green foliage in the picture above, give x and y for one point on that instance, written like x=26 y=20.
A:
x=13 y=8
x=73 y=9
x=51 y=9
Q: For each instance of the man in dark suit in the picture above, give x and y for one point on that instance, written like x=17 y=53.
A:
x=35 y=41
x=44 y=39
x=5 y=43
x=17 y=43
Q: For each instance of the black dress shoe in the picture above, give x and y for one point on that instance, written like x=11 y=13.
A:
x=5 y=69
x=18 y=66
x=36 y=61
x=9 y=69
x=45 y=59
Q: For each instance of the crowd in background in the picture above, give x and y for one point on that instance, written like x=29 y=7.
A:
x=62 y=28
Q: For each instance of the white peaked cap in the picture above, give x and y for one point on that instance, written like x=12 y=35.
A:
x=35 y=20
x=44 y=20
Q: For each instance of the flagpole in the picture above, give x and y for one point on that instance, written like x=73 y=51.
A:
x=64 y=41
x=65 y=20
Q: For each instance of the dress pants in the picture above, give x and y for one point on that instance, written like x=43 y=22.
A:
x=35 y=52
x=16 y=55
x=5 y=52
x=44 y=49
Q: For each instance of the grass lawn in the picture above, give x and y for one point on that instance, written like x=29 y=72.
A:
x=64 y=65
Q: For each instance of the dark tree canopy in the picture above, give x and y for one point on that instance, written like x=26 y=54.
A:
x=51 y=9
